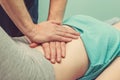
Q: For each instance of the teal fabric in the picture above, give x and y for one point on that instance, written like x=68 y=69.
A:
x=101 y=41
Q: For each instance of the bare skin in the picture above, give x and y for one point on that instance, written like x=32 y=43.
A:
x=27 y=23
x=56 y=13
x=78 y=63
x=74 y=64
x=113 y=71
x=117 y=26
x=18 y=13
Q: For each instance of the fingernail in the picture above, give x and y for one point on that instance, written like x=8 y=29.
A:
x=59 y=60
x=63 y=56
x=48 y=57
x=52 y=60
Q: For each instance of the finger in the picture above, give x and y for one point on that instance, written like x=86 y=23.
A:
x=46 y=48
x=33 y=45
x=63 y=49
x=63 y=34
x=60 y=38
x=58 y=51
x=52 y=52
x=67 y=30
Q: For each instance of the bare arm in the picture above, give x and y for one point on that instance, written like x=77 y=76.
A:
x=56 y=10
x=55 y=50
x=17 y=11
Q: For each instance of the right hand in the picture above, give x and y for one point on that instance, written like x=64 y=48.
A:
x=48 y=31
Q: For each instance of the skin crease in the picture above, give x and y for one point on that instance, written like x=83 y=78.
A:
x=73 y=65
x=27 y=23
x=111 y=72
x=71 y=54
x=17 y=11
x=55 y=37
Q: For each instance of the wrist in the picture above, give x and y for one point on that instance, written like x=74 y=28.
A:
x=58 y=22
x=55 y=18
x=30 y=31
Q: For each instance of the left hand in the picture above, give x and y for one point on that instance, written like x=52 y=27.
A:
x=54 y=51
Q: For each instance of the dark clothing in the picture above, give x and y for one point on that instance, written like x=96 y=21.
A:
x=7 y=24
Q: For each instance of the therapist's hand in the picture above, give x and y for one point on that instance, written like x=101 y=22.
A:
x=54 y=51
x=49 y=31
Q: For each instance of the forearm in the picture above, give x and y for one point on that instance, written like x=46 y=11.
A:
x=17 y=11
x=56 y=10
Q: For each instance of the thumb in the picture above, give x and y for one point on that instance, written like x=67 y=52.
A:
x=33 y=45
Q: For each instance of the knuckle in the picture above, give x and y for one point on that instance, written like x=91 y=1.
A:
x=62 y=43
x=57 y=45
x=51 y=37
x=45 y=45
x=52 y=56
x=52 y=45
x=61 y=38
x=59 y=52
x=64 y=34
x=55 y=32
